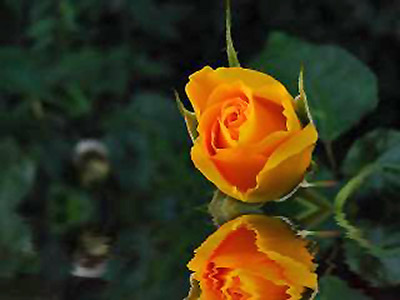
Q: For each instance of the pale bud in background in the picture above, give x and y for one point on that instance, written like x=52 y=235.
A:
x=91 y=160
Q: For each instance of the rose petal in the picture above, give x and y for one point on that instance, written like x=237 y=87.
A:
x=205 y=251
x=273 y=234
x=285 y=168
x=269 y=144
x=292 y=121
x=264 y=118
x=233 y=288
x=265 y=88
x=262 y=289
x=225 y=169
x=202 y=83
x=200 y=86
x=276 y=239
x=275 y=183
x=207 y=125
x=269 y=87
x=303 y=139
x=203 y=162
x=242 y=243
x=239 y=167
x=225 y=139
x=226 y=91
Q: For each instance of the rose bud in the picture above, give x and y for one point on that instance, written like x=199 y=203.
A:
x=251 y=143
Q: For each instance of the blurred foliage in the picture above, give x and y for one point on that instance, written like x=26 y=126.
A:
x=16 y=249
x=73 y=72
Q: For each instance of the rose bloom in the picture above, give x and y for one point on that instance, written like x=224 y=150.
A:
x=251 y=144
x=253 y=257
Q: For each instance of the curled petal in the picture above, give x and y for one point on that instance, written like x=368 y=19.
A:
x=239 y=167
x=200 y=86
x=265 y=118
x=285 y=168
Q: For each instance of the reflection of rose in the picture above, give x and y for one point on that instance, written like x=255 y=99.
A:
x=253 y=257
x=251 y=144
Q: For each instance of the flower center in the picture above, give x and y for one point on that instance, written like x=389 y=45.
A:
x=216 y=276
x=233 y=115
x=234 y=291
x=225 y=130
x=227 y=286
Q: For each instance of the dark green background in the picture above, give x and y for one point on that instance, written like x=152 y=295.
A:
x=106 y=70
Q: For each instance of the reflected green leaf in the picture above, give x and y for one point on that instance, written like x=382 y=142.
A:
x=333 y=288
x=379 y=270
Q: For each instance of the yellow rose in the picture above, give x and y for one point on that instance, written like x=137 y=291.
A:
x=251 y=144
x=253 y=257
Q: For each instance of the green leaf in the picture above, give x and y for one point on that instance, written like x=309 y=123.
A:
x=340 y=88
x=382 y=148
x=333 y=288
x=380 y=145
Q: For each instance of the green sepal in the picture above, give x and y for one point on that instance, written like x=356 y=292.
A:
x=301 y=104
x=223 y=208
x=190 y=118
x=230 y=50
